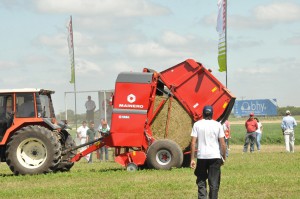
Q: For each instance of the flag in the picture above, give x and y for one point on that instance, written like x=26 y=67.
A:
x=221 y=28
x=71 y=50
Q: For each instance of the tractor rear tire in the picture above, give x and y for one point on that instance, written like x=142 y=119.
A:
x=66 y=142
x=164 y=154
x=33 y=150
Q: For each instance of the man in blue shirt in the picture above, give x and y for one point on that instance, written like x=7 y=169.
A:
x=288 y=124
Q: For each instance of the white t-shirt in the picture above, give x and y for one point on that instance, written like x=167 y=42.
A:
x=82 y=131
x=90 y=105
x=208 y=133
x=259 y=127
x=102 y=129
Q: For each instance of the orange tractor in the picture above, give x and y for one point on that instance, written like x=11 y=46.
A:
x=31 y=140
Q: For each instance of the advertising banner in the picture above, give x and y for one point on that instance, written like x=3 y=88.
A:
x=260 y=107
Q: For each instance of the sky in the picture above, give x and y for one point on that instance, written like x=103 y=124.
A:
x=113 y=36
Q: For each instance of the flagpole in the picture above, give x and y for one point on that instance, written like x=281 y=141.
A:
x=75 y=93
x=71 y=47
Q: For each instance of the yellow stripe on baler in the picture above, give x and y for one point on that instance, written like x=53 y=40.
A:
x=214 y=89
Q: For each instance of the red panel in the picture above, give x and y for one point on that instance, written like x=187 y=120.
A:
x=194 y=86
x=128 y=129
x=132 y=96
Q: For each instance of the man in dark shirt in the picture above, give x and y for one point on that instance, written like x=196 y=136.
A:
x=90 y=135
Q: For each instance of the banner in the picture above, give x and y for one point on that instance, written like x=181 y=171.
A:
x=260 y=107
x=221 y=28
x=71 y=50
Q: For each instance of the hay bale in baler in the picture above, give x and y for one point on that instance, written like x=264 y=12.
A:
x=180 y=123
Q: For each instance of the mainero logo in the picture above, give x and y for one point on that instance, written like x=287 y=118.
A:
x=131 y=98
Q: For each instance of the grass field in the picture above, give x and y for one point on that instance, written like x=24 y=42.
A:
x=271 y=173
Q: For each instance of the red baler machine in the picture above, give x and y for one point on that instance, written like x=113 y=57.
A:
x=133 y=112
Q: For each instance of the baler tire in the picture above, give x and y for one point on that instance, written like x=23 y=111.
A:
x=132 y=167
x=164 y=154
x=33 y=150
x=66 y=142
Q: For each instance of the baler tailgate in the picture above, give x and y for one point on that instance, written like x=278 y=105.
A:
x=194 y=87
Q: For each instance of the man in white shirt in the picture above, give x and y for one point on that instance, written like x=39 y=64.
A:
x=81 y=135
x=287 y=125
x=211 y=153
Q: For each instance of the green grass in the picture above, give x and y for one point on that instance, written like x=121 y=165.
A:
x=272 y=173
x=272 y=133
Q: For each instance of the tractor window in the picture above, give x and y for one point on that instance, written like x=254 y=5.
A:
x=44 y=106
x=6 y=113
x=25 y=105
x=5 y=106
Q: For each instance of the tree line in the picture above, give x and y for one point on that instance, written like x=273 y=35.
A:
x=294 y=110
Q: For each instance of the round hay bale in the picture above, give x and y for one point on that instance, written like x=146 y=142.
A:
x=180 y=123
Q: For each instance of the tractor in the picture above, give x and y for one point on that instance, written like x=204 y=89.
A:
x=31 y=139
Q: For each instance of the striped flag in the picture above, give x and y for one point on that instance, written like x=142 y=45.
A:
x=71 y=50
x=221 y=28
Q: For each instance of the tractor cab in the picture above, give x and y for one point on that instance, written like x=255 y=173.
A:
x=31 y=140
x=19 y=106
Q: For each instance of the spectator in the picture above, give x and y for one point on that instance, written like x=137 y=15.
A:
x=258 y=133
x=287 y=125
x=90 y=108
x=251 y=127
x=103 y=131
x=91 y=134
x=226 y=127
x=81 y=135
x=211 y=150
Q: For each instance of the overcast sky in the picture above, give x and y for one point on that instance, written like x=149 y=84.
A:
x=112 y=36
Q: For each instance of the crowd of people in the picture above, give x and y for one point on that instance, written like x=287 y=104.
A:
x=87 y=132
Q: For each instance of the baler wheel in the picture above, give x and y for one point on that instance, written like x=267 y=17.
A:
x=131 y=167
x=164 y=154
x=33 y=150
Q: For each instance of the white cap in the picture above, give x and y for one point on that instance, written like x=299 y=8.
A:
x=287 y=112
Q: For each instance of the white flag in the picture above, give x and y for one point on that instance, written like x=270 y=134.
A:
x=221 y=28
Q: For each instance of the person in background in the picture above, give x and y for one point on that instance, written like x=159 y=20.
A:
x=90 y=136
x=103 y=130
x=226 y=127
x=90 y=108
x=251 y=127
x=258 y=133
x=81 y=135
x=287 y=125
x=209 y=135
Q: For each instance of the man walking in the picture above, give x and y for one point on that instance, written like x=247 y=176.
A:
x=210 y=154
x=287 y=125
x=250 y=137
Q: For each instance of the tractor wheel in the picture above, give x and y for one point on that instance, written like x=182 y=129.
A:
x=33 y=150
x=66 y=142
x=164 y=154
